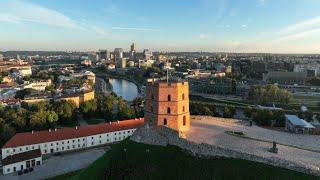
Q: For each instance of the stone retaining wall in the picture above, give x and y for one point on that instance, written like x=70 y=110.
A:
x=163 y=136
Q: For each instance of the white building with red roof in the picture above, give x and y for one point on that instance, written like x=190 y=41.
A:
x=65 y=139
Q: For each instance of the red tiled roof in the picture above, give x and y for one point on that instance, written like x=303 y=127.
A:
x=21 y=157
x=27 y=138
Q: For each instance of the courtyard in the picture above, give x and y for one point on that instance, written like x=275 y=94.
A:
x=301 y=149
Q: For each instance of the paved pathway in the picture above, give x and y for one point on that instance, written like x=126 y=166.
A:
x=57 y=165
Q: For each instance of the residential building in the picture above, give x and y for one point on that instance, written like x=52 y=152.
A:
x=147 y=54
x=292 y=78
x=121 y=63
x=78 y=98
x=118 y=53
x=39 y=85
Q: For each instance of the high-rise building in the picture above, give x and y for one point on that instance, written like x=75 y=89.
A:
x=147 y=54
x=1 y=57
x=167 y=104
x=121 y=63
x=104 y=54
x=133 y=52
x=133 y=47
x=118 y=53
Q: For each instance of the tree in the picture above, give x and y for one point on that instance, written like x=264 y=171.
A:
x=66 y=111
x=279 y=118
x=105 y=106
x=124 y=111
x=308 y=115
x=206 y=111
x=2 y=123
x=269 y=93
x=136 y=103
x=52 y=118
x=247 y=111
x=89 y=108
x=263 y=117
x=38 y=120
x=21 y=119
x=229 y=111
x=1 y=79
x=7 y=132
x=50 y=87
x=21 y=94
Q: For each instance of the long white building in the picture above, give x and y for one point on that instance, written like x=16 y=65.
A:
x=20 y=152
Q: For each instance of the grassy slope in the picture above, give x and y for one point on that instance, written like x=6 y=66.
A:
x=141 y=161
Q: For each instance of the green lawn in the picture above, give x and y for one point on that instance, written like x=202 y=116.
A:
x=131 y=160
x=307 y=100
x=94 y=121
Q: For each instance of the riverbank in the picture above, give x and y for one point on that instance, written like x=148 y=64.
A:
x=107 y=75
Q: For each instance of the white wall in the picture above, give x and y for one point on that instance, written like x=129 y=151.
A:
x=71 y=144
x=10 y=168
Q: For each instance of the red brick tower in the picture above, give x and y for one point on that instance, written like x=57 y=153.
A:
x=167 y=104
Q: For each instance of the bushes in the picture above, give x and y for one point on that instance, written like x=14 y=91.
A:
x=202 y=109
x=211 y=110
x=266 y=117
x=229 y=111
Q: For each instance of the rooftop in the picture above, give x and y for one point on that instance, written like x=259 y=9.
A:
x=21 y=157
x=298 y=122
x=37 y=137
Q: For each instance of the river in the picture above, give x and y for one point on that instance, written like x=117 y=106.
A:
x=124 y=88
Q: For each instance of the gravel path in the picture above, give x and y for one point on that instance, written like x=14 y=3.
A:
x=212 y=131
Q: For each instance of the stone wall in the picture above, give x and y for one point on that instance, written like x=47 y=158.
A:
x=163 y=136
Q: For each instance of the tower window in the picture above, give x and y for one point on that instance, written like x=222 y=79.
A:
x=183 y=109
x=168 y=110
x=165 y=121
x=169 y=97
x=182 y=96
x=184 y=120
x=152 y=96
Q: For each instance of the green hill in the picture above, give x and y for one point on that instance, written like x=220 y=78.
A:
x=131 y=160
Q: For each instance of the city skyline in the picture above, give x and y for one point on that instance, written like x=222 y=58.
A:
x=205 y=25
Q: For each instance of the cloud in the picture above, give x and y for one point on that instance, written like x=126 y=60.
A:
x=299 y=35
x=244 y=26
x=23 y=12
x=262 y=2
x=306 y=24
x=9 y=18
x=134 y=29
x=27 y=12
x=99 y=30
x=202 y=36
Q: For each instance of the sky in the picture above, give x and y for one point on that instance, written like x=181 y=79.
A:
x=262 y=26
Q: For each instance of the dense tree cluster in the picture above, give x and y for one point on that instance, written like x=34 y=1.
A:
x=110 y=108
x=265 y=117
x=314 y=81
x=211 y=110
x=38 y=116
x=269 y=93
